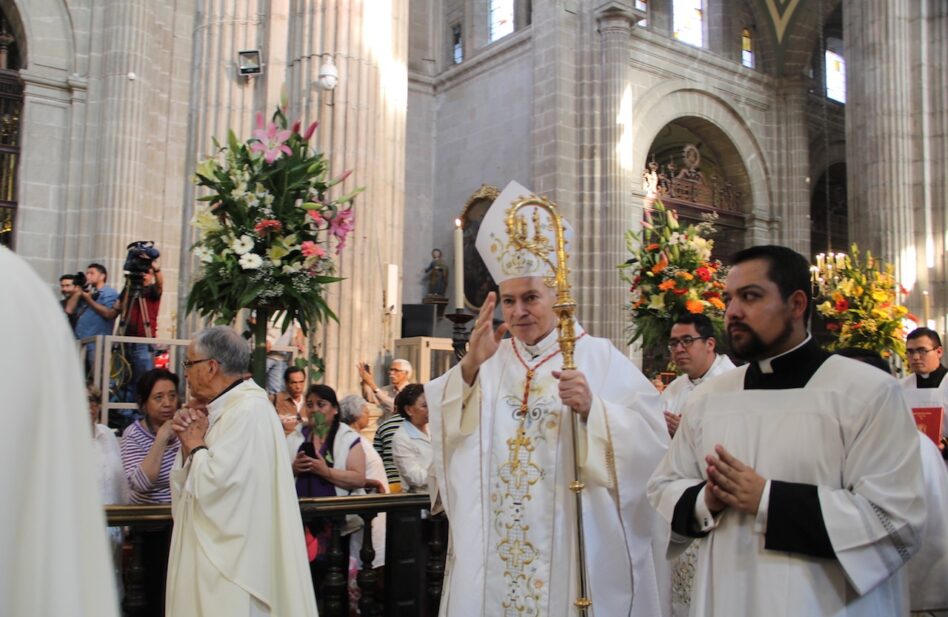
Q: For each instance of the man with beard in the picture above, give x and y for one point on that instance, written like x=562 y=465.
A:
x=801 y=468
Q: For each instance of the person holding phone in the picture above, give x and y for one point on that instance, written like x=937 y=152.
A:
x=399 y=374
x=329 y=462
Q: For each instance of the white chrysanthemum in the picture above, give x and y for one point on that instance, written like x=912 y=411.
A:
x=250 y=261
x=243 y=245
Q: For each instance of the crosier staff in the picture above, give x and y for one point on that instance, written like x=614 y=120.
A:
x=565 y=309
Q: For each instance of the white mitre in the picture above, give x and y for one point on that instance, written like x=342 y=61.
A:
x=502 y=258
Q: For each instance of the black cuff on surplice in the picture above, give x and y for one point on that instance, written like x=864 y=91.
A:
x=684 y=515
x=795 y=521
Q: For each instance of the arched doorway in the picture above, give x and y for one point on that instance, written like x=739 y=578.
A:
x=11 y=113
x=700 y=174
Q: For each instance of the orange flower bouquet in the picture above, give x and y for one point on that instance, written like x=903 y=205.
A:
x=670 y=273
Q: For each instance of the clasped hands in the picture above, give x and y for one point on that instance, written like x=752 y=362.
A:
x=190 y=424
x=732 y=483
x=573 y=388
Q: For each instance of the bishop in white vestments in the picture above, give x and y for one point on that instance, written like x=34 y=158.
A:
x=238 y=545
x=503 y=458
x=800 y=470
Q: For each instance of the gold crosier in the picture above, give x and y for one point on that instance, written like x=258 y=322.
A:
x=565 y=309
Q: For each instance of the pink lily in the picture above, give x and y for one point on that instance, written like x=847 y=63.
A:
x=270 y=140
x=341 y=225
x=316 y=216
x=296 y=127
x=309 y=131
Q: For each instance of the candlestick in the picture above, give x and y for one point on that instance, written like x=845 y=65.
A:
x=458 y=265
x=925 y=296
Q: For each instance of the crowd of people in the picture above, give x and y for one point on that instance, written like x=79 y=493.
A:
x=793 y=484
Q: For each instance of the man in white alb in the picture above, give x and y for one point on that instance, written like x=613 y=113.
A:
x=237 y=547
x=501 y=428
x=801 y=469
x=693 y=348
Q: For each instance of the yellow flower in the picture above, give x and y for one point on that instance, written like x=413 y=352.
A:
x=685 y=275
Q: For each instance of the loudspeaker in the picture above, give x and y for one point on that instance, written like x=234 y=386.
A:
x=418 y=320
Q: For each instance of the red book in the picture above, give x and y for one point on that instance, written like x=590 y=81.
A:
x=928 y=420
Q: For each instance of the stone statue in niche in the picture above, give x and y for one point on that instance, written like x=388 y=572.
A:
x=436 y=274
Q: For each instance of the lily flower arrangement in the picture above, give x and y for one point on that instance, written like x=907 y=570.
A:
x=670 y=273
x=858 y=299
x=268 y=227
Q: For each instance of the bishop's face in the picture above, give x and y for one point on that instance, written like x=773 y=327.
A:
x=527 y=305
x=758 y=320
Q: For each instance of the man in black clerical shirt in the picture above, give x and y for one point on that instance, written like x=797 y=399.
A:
x=924 y=351
x=803 y=468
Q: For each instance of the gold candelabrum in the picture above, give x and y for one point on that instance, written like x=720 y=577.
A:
x=826 y=271
x=565 y=308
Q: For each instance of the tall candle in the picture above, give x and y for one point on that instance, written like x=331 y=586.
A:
x=927 y=309
x=458 y=265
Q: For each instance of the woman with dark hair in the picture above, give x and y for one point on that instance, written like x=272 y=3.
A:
x=411 y=445
x=149 y=448
x=329 y=462
x=149 y=445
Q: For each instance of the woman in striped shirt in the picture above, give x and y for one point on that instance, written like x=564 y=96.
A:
x=149 y=447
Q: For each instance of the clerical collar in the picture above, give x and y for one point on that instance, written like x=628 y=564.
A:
x=542 y=347
x=931 y=380
x=791 y=369
x=226 y=390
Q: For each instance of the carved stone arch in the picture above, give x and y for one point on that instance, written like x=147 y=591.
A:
x=45 y=36
x=677 y=100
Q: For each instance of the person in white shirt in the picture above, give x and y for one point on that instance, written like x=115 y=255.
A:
x=693 y=347
x=411 y=445
x=927 y=386
x=802 y=469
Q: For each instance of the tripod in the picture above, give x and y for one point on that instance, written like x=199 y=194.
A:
x=132 y=359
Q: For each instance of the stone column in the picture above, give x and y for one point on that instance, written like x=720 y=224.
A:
x=793 y=165
x=361 y=128
x=123 y=103
x=603 y=243
x=879 y=130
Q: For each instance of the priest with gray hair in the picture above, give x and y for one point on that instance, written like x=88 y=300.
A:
x=237 y=545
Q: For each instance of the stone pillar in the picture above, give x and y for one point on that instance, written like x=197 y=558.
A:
x=879 y=130
x=793 y=166
x=603 y=242
x=123 y=103
x=361 y=128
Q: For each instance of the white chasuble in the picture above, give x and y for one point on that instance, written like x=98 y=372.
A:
x=237 y=547
x=847 y=435
x=503 y=478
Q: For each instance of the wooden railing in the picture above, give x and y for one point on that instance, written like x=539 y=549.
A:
x=415 y=547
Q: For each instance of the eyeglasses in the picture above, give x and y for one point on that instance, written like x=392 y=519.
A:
x=918 y=351
x=189 y=363
x=685 y=341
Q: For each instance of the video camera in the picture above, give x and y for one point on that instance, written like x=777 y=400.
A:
x=140 y=256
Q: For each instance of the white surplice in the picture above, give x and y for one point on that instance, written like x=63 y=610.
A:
x=54 y=556
x=237 y=547
x=683 y=567
x=513 y=521
x=677 y=392
x=928 y=569
x=846 y=432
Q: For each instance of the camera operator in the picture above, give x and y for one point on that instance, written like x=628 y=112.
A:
x=67 y=285
x=141 y=356
x=92 y=306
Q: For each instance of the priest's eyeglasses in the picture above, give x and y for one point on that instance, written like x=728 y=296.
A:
x=189 y=363
x=918 y=351
x=685 y=341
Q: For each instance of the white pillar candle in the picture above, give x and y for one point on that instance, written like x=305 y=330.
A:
x=458 y=265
